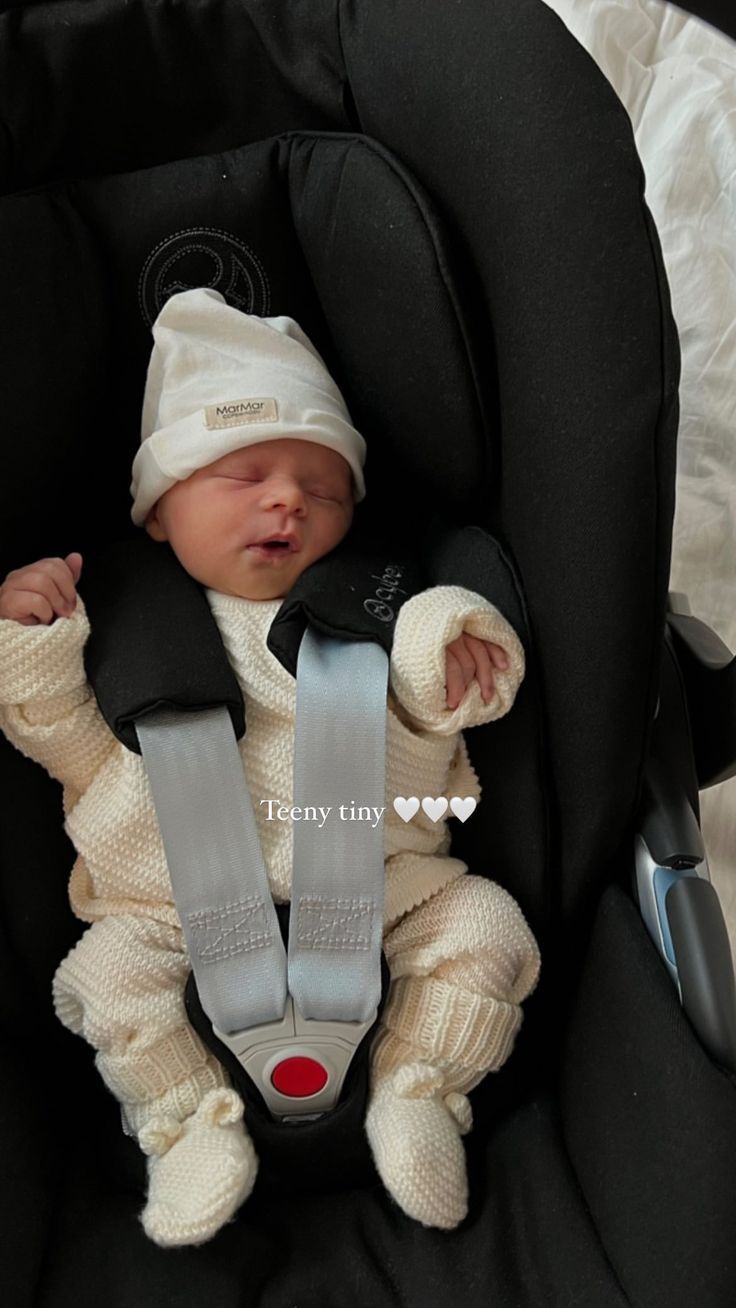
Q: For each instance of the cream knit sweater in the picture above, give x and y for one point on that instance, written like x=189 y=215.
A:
x=49 y=712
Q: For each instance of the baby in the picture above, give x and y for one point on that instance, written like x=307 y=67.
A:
x=246 y=442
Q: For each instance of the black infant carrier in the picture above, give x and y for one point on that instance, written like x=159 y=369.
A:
x=447 y=197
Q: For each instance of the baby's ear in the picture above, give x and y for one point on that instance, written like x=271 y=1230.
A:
x=153 y=526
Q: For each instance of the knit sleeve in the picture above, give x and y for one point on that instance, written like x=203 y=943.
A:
x=47 y=708
x=426 y=625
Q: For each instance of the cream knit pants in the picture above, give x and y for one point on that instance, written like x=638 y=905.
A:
x=460 y=964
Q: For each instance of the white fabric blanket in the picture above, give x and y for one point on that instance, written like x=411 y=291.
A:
x=676 y=76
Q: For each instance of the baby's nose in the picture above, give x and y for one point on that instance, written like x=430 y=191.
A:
x=285 y=491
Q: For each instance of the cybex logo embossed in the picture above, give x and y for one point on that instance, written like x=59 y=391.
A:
x=204 y=256
x=380 y=606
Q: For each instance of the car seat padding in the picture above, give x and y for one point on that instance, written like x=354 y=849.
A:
x=541 y=197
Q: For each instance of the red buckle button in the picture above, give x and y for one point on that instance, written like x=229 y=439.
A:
x=299 y=1077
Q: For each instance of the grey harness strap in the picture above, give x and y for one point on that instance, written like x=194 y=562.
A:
x=216 y=866
x=220 y=882
x=335 y=934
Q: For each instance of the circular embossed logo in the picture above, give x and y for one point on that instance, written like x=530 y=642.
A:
x=203 y=256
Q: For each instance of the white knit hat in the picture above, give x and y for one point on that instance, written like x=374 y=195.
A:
x=219 y=379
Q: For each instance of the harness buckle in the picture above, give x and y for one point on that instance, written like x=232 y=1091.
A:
x=297 y=1064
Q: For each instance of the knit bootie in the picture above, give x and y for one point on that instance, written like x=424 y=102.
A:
x=414 y=1134
x=200 y=1171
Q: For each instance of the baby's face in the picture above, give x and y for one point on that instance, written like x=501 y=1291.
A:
x=213 y=519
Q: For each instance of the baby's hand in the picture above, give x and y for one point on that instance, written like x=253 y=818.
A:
x=41 y=591
x=468 y=657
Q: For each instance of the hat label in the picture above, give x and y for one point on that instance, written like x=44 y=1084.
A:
x=234 y=413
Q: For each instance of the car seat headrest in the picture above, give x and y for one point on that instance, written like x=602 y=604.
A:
x=327 y=228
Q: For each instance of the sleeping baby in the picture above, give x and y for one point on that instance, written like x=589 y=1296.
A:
x=249 y=467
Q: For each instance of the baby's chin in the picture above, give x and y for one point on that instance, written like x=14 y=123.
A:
x=263 y=581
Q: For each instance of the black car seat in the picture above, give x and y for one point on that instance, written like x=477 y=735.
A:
x=465 y=237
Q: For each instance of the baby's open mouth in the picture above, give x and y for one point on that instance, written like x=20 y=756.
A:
x=273 y=548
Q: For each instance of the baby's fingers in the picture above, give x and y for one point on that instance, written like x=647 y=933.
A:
x=28 y=608
x=63 y=578
x=52 y=581
x=483 y=666
x=498 y=654
x=74 y=563
x=455 y=679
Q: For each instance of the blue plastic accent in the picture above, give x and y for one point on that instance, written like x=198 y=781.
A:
x=664 y=878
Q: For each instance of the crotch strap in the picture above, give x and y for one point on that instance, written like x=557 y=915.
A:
x=294 y=1022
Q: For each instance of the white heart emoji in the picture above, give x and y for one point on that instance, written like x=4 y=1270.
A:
x=406 y=808
x=462 y=808
x=434 y=808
